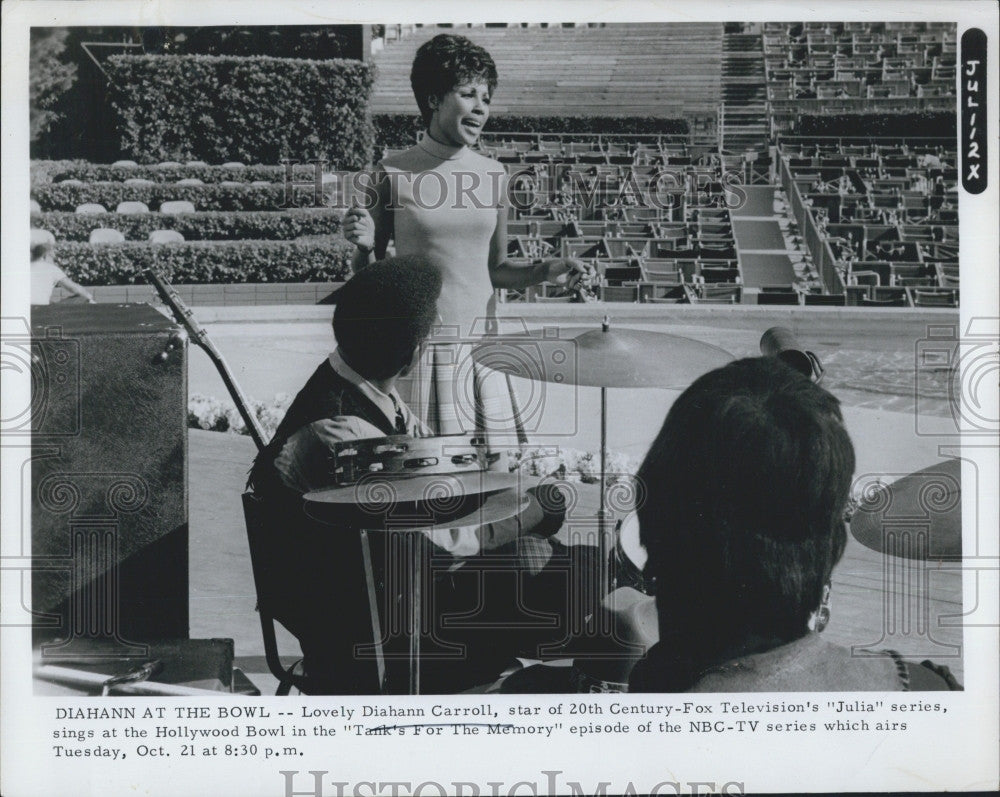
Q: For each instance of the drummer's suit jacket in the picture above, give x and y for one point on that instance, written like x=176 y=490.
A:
x=323 y=593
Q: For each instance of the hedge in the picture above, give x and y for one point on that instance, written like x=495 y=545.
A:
x=906 y=125
x=44 y=172
x=400 y=130
x=255 y=109
x=202 y=262
x=209 y=226
x=59 y=196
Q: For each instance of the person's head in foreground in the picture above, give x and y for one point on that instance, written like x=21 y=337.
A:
x=746 y=486
x=453 y=81
x=384 y=315
x=41 y=251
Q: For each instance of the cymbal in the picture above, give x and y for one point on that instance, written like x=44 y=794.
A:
x=616 y=357
x=380 y=489
x=470 y=510
x=418 y=502
x=917 y=517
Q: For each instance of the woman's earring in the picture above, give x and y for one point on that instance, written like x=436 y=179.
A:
x=823 y=613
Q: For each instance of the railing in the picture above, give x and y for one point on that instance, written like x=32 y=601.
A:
x=816 y=242
x=494 y=138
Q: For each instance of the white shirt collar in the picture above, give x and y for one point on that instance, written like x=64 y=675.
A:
x=386 y=402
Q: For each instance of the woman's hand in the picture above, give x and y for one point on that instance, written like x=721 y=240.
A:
x=570 y=273
x=359 y=228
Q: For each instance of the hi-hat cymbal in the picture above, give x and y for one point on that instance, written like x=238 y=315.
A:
x=917 y=517
x=615 y=357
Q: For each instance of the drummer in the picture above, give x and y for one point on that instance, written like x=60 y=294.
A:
x=383 y=318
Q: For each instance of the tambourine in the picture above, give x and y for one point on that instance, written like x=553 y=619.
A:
x=402 y=456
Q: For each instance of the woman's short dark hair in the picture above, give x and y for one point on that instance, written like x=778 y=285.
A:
x=41 y=250
x=746 y=486
x=447 y=61
x=384 y=313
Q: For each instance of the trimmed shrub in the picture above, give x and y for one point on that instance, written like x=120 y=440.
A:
x=923 y=123
x=59 y=196
x=44 y=172
x=203 y=262
x=209 y=226
x=277 y=41
x=400 y=130
x=49 y=79
x=255 y=109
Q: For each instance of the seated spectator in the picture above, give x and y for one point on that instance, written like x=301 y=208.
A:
x=46 y=276
x=752 y=472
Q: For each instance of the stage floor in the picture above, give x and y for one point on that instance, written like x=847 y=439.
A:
x=877 y=601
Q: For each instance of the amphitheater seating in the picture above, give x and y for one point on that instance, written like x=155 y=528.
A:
x=838 y=69
x=881 y=211
x=879 y=218
x=630 y=69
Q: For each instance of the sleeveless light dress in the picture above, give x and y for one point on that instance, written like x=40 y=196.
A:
x=444 y=203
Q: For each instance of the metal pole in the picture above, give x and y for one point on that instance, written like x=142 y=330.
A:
x=416 y=576
x=602 y=511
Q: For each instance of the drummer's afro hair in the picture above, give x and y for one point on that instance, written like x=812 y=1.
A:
x=447 y=61
x=384 y=312
x=746 y=486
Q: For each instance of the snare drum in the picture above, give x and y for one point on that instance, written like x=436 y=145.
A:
x=628 y=558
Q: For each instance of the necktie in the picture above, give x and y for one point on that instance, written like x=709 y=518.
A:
x=400 y=419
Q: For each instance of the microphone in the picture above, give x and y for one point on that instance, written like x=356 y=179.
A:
x=781 y=343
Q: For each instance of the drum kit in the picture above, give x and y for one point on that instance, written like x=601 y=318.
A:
x=401 y=485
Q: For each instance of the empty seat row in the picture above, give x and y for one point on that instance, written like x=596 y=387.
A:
x=174 y=206
x=106 y=235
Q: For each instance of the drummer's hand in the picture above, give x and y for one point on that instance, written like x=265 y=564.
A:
x=570 y=273
x=359 y=228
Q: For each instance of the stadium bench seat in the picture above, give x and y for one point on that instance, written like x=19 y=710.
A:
x=125 y=164
x=234 y=165
x=165 y=237
x=778 y=297
x=34 y=207
x=105 y=235
x=921 y=297
x=619 y=293
x=91 y=207
x=825 y=300
x=40 y=236
x=191 y=181
x=177 y=206
x=132 y=207
x=719 y=293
